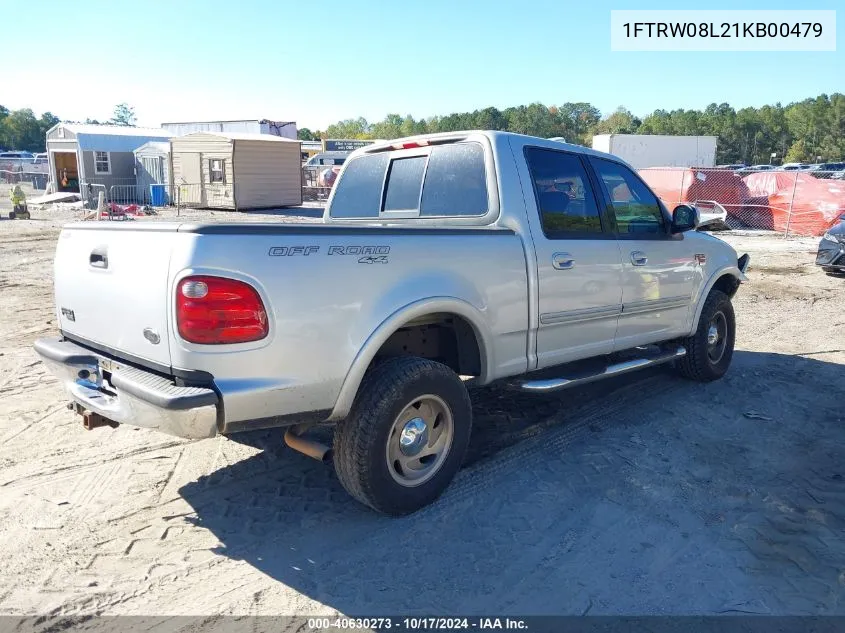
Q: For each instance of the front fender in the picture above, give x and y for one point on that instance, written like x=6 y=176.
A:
x=395 y=321
x=708 y=286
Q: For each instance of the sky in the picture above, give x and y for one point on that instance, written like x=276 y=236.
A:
x=316 y=63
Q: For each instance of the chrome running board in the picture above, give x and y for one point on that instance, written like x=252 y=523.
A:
x=556 y=384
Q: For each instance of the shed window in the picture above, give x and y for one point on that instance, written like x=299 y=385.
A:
x=102 y=163
x=216 y=170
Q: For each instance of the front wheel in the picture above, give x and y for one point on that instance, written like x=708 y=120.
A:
x=406 y=436
x=711 y=347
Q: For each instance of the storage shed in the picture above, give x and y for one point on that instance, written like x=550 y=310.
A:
x=83 y=155
x=152 y=167
x=236 y=170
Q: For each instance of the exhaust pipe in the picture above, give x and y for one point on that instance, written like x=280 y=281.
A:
x=91 y=421
x=311 y=448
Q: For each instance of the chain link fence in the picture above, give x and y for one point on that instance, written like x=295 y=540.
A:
x=788 y=202
x=317 y=182
x=36 y=181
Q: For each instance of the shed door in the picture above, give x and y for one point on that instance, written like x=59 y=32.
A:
x=149 y=174
x=153 y=166
x=190 y=185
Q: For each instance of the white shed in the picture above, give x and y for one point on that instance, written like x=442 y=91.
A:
x=152 y=167
x=236 y=170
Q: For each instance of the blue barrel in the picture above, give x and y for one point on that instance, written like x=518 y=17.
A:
x=158 y=195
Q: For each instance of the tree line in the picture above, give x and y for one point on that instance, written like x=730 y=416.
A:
x=807 y=131
x=21 y=130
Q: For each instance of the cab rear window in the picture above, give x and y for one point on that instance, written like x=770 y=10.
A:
x=456 y=182
x=446 y=180
x=404 y=184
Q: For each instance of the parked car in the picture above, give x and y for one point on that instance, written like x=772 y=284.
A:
x=448 y=260
x=17 y=167
x=796 y=167
x=832 y=171
x=733 y=167
x=324 y=179
x=831 y=254
x=761 y=167
x=7 y=155
x=327 y=158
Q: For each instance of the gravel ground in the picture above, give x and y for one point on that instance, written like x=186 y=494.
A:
x=643 y=495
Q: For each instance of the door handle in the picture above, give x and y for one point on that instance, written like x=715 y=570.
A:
x=563 y=261
x=638 y=258
x=99 y=258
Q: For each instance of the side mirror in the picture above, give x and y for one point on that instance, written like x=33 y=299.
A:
x=685 y=218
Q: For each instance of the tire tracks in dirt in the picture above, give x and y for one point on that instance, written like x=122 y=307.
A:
x=56 y=472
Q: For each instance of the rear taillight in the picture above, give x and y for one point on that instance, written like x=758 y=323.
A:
x=216 y=310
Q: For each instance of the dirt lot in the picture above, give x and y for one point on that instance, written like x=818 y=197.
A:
x=648 y=495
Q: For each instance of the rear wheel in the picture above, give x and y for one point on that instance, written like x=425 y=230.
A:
x=710 y=348
x=406 y=436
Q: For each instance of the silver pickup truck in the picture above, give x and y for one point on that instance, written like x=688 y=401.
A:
x=442 y=261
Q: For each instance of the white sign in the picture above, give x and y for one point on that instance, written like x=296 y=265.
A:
x=712 y=30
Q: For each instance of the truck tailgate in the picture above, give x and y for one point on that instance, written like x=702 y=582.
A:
x=111 y=287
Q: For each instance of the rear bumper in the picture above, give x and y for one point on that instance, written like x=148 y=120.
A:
x=129 y=395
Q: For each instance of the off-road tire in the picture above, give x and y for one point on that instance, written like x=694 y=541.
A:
x=697 y=364
x=360 y=441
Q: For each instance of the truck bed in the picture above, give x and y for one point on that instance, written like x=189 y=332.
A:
x=356 y=277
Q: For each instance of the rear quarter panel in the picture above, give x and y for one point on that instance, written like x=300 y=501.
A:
x=325 y=303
